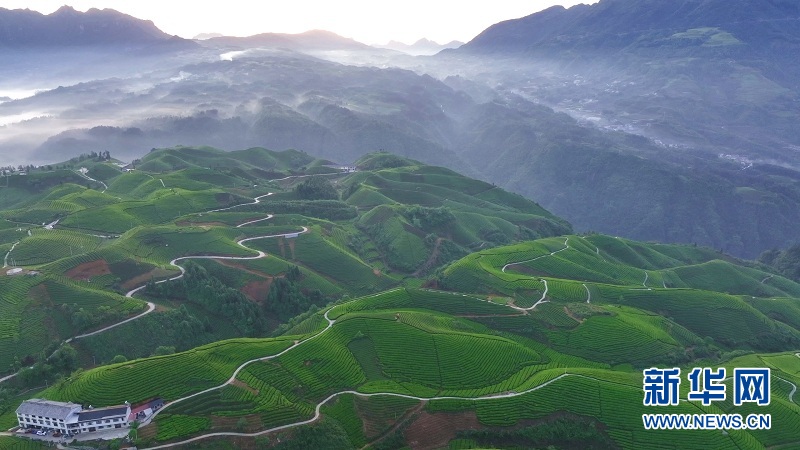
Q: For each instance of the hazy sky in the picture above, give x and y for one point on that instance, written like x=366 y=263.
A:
x=369 y=21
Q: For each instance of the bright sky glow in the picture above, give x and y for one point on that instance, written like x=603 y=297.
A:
x=368 y=21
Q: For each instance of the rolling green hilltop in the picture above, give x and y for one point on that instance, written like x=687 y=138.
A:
x=115 y=229
x=295 y=303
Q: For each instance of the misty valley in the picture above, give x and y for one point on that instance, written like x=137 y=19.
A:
x=304 y=241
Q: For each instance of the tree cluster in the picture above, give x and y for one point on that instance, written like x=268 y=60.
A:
x=102 y=156
x=430 y=219
x=286 y=299
x=83 y=319
x=316 y=188
x=786 y=262
x=199 y=287
x=63 y=361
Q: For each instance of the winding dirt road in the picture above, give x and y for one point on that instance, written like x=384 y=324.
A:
x=5 y=260
x=544 y=294
x=151 y=306
x=317 y=410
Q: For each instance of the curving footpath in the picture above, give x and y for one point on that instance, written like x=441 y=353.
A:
x=8 y=377
x=317 y=412
x=566 y=246
x=105 y=186
x=151 y=306
x=5 y=260
x=793 y=391
x=318 y=408
x=240 y=242
x=544 y=294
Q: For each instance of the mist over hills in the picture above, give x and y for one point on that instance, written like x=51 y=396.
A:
x=422 y=46
x=703 y=74
x=712 y=85
x=309 y=40
x=683 y=131
x=422 y=251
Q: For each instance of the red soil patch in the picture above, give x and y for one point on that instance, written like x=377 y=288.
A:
x=245 y=386
x=257 y=290
x=430 y=284
x=89 y=269
x=430 y=431
x=382 y=429
x=156 y=274
x=238 y=266
x=376 y=272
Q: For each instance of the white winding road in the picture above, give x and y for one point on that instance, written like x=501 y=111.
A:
x=317 y=412
x=240 y=242
x=255 y=221
x=151 y=307
x=793 y=391
x=541 y=300
x=319 y=406
x=544 y=294
x=5 y=261
x=105 y=186
x=566 y=246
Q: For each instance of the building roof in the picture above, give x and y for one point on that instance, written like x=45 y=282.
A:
x=47 y=408
x=151 y=405
x=103 y=413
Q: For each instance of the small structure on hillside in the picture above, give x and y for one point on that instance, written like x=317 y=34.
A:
x=141 y=411
x=70 y=418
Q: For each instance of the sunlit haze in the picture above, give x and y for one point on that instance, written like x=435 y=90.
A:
x=366 y=21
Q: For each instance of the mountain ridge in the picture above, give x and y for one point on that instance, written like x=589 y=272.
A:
x=68 y=27
x=624 y=24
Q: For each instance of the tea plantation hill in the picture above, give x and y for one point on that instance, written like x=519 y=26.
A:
x=112 y=230
x=464 y=342
x=428 y=368
x=536 y=343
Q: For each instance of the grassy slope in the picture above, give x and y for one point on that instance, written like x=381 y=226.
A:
x=120 y=237
x=612 y=304
x=409 y=341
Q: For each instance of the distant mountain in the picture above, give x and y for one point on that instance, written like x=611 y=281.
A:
x=204 y=36
x=711 y=84
x=738 y=27
x=70 y=28
x=421 y=47
x=309 y=40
